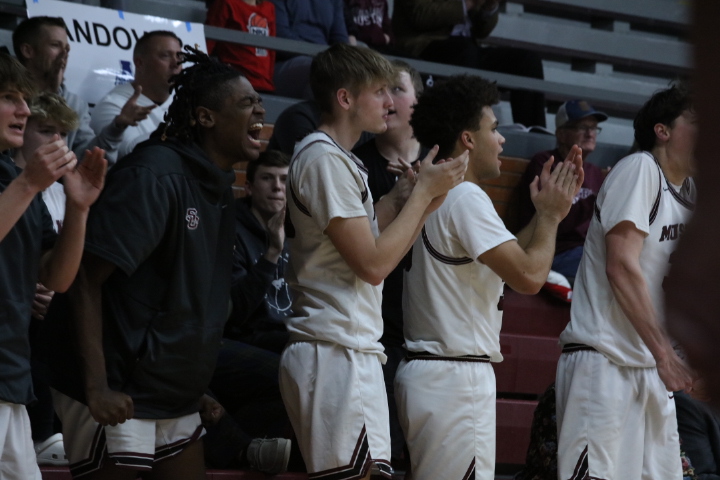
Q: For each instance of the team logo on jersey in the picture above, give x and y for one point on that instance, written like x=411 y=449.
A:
x=258 y=25
x=193 y=220
x=672 y=232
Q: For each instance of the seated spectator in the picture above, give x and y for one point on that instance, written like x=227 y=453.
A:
x=251 y=16
x=387 y=157
x=41 y=45
x=368 y=21
x=314 y=21
x=699 y=429
x=261 y=298
x=576 y=123
x=447 y=31
x=49 y=116
x=157 y=57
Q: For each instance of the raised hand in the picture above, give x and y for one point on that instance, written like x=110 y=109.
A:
x=132 y=113
x=48 y=164
x=437 y=179
x=84 y=184
x=553 y=191
x=276 y=230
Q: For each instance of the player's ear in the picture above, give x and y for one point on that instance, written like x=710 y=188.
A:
x=205 y=117
x=467 y=140
x=344 y=98
x=662 y=132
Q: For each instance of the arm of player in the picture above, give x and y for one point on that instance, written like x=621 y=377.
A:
x=372 y=259
x=82 y=187
x=624 y=245
x=524 y=265
x=106 y=406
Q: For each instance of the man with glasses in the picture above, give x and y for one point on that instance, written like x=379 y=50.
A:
x=576 y=123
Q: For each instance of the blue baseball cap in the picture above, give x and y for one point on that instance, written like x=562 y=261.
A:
x=574 y=110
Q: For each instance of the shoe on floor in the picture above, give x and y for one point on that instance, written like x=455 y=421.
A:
x=558 y=286
x=51 y=451
x=269 y=455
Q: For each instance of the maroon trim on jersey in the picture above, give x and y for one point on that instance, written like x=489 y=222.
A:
x=439 y=256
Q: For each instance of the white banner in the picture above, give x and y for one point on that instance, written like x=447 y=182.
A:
x=102 y=43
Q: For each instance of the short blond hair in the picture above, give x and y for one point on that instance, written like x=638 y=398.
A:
x=51 y=106
x=346 y=66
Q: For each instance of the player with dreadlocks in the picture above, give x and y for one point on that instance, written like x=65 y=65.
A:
x=150 y=302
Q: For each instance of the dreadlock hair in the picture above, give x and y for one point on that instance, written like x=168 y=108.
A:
x=451 y=106
x=206 y=83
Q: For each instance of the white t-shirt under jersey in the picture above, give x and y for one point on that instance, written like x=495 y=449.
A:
x=330 y=302
x=630 y=193
x=451 y=301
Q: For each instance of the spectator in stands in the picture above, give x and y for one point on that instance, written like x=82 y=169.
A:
x=150 y=303
x=49 y=116
x=157 y=57
x=387 y=157
x=368 y=21
x=245 y=380
x=315 y=21
x=447 y=31
x=32 y=252
x=261 y=298
x=452 y=297
x=618 y=369
x=251 y=16
x=576 y=123
x=699 y=429
x=41 y=45
x=330 y=372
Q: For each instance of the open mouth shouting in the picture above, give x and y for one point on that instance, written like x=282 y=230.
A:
x=254 y=133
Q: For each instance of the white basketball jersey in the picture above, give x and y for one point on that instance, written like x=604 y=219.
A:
x=330 y=302
x=637 y=191
x=451 y=301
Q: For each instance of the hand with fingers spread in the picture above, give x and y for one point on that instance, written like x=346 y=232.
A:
x=437 y=179
x=48 y=164
x=553 y=191
x=84 y=184
x=131 y=113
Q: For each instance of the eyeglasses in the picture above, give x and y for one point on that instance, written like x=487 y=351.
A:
x=585 y=129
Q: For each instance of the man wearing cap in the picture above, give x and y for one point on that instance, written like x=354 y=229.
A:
x=576 y=123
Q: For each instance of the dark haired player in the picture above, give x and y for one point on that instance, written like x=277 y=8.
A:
x=452 y=298
x=615 y=409
x=151 y=299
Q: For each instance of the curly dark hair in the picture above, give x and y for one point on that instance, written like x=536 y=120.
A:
x=451 y=106
x=206 y=83
x=663 y=107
